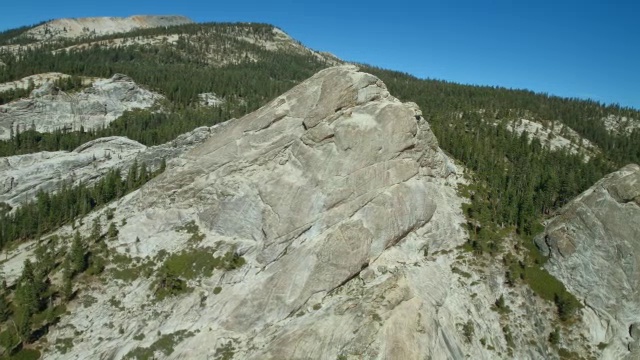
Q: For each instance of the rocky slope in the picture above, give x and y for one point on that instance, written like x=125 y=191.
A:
x=96 y=26
x=38 y=80
x=620 y=124
x=594 y=248
x=22 y=176
x=553 y=135
x=345 y=211
x=48 y=109
x=214 y=52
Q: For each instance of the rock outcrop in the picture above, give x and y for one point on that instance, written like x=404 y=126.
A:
x=36 y=80
x=48 y=109
x=210 y=99
x=620 y=124
x=594 y=249
x=22 y=176
x=553 y=135
x=345 y=210
x=96 y=26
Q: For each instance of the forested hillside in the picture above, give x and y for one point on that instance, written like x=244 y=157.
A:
x=249 y=76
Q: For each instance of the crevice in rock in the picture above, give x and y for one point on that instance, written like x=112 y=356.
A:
x=278 y=257
x=373 y=338
x=351 y=277
x=330 y=136
x=268 y=206
x=409 y=147
x=406 y=233
x=620 y=200
x=286 y=249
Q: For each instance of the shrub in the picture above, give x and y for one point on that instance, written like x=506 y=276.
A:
x=468 y=330
x=554 y=336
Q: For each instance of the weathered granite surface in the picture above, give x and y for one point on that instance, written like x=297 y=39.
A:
x=594 y=248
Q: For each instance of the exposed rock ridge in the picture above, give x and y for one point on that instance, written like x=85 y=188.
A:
x=312 y=189
x=68 y=28
x=344 y=208
x=23 y=176
x=620 y=125
x=594 y=248
x=553 y=135
x=48 y=109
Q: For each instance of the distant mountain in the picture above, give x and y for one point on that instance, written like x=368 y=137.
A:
x=97 y=26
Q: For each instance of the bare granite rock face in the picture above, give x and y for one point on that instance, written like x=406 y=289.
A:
x=48 y=109
x=620 y=124
x=96 y=26
x=22 y=176
x=344 y=208
x=594 y=248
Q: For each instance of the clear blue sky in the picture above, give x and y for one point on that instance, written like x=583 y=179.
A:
x=569 y=48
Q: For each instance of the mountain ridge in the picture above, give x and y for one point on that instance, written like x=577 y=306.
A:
x=96 y=26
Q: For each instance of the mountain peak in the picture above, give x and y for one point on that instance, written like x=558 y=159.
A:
x=78 y=27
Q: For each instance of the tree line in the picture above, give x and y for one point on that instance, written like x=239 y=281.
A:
x=51 y=210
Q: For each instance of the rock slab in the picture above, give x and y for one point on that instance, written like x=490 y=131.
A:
x=594 y=249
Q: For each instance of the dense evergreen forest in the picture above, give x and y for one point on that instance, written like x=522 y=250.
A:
x=180 y=71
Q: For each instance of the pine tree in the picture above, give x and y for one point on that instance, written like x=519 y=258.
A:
x=67 y=288
x=113 y=231
x=78 y=258
x=132 y=176
x=4 y=308
x=23 y=323
x=96 y=229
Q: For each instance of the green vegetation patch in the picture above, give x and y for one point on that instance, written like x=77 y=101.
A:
x=225 y=352
x=194 y=263
x=568 y=355
x=188 y=265
x=63 y=345
x=164 y=345
x=460 y=272
x=25 y=354
x=192 y=228
x=134 y=272
x=468 y=330
x=9 y=339
x=127 y=270
x=88 y=301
